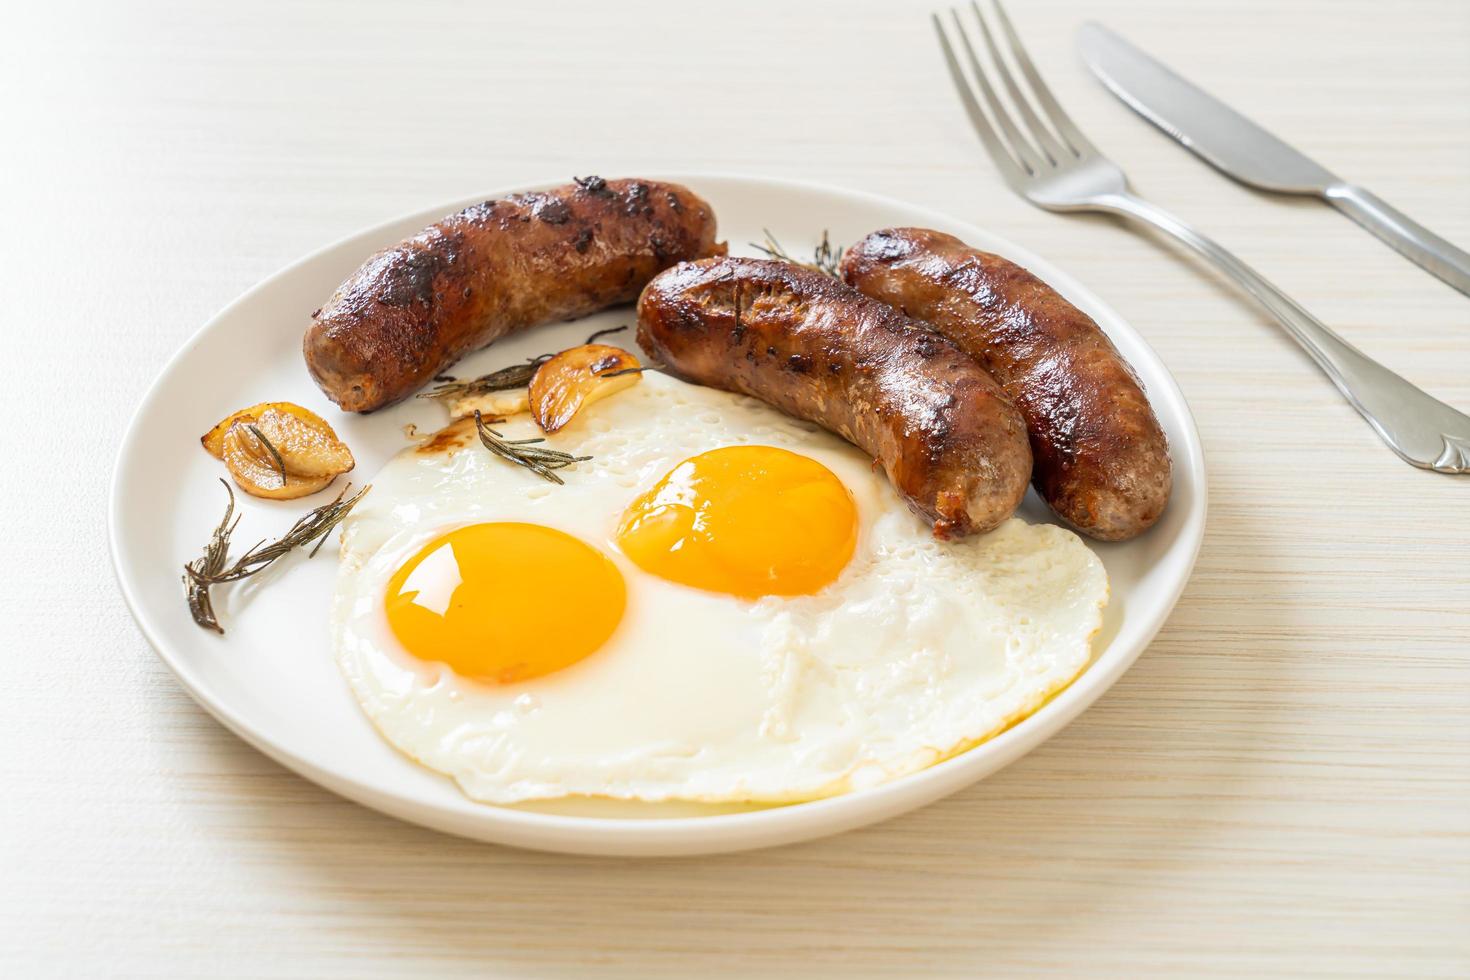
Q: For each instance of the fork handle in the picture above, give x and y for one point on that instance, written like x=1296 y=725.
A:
x=1418 y=427
x=1402 y=233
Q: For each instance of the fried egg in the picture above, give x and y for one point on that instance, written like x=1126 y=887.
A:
x=723 y=604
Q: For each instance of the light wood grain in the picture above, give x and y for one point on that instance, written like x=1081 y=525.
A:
x=1281 y=786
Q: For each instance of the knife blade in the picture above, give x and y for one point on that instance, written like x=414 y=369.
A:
x=1248 y=153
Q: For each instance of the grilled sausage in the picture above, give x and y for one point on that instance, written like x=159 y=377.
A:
x=1102 y=461
x=415 y=308
x=952 y=444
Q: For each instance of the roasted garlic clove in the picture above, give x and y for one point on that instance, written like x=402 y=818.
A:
x=259 y=472
x=214 y=440
x=308 y=447
x=279 y=450
x=577 y=377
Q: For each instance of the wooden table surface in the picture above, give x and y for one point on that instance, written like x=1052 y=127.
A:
x=1280 y=786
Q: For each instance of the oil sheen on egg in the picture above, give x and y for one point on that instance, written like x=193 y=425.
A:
x=725 y=604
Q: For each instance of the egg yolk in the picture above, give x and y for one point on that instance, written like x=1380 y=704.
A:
x=505 y=602
x=749 y=521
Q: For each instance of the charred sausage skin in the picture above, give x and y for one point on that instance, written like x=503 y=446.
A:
x=1102 y=460
x=499 y=266
x=952 y=444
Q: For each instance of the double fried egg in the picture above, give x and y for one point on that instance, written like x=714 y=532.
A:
x=724 y=604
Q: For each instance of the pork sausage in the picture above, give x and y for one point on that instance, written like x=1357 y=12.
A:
x=952 y=444
x=1102 y=460
x=415 y=308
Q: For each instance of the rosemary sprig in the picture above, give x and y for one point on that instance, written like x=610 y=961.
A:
x=507 y=378
x=210 y=569
x=526 y=452
x=825 y=257
x=622 y=371
x=280 y=463
x=199 y=572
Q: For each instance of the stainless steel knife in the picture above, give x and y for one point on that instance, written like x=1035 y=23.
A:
x=1242 y=150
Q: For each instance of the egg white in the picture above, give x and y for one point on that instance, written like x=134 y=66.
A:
x=919 y=650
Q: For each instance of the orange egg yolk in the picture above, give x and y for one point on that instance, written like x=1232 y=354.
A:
x=749 y=521
x=505 y=602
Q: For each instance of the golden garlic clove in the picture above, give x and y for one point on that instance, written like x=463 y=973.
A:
x=577 y=377
x=279 y=450
x=307 y=448
x=260 y=472
x=214 y=440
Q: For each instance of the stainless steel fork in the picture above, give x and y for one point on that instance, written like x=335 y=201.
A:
x=1052 y=165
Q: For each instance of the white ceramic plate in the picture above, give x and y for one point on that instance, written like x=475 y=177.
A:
x=272 y=679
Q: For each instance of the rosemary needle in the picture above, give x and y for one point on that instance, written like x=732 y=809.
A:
x=280 y=463
x=526 y=452
x=604 y=333
x=622 y=371
x=825 y=257
x=210 y=569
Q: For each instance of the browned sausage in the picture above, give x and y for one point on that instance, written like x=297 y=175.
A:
x=952 y=444
x=1102 y=460
x=417 y=307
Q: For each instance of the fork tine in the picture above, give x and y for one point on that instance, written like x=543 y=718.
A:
x=1079 y=144
x=1020 y=146
x=1007 y=165
x=1049 y=144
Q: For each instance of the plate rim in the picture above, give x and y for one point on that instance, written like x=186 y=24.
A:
x=714 y=833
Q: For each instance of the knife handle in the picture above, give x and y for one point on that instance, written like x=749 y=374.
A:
x=1420 y=428
x=1402 y=233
